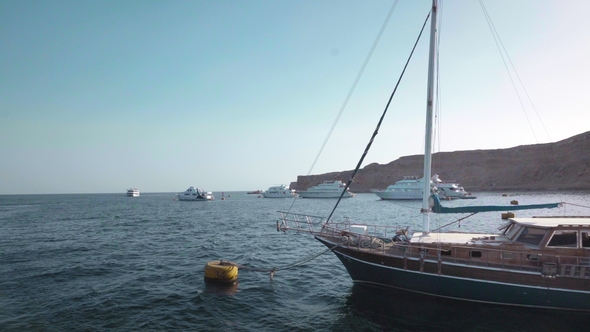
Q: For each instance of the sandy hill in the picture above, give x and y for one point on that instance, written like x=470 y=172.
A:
x=563 y=165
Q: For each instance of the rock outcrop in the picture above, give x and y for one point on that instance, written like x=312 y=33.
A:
x=563 y=165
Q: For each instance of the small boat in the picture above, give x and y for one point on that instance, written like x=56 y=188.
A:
x=540 y=262
x=450 y=190
x=257 y=192
x=327 y=189
x=195 y=194
x=281 y=191
x=132 y=192
x=410 y=188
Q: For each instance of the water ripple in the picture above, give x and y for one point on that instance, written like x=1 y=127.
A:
x=109 y=262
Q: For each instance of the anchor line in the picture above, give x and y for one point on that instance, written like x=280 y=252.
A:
x=287 y=267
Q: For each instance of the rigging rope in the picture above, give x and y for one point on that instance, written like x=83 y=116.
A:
x=352 y=88
x=358 y=166
x=584 y=206
x=274 y=269
x=453 y=222
x=356 y=80
x=499 y=43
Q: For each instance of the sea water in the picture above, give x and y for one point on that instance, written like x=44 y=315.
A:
x=107 y=262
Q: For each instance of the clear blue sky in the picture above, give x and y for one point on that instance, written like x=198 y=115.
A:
x=100 y=96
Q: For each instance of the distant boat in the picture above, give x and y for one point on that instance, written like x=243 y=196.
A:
x=255 y=192
x=450 y=190
x=327 y=189
x=281 y=191
x=195 y=194
x=410 y=188
x=132 y=192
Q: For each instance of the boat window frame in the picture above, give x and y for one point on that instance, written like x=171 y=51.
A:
x=535 y=239
x=507 y=255
x=513 y=231
x=562 y=232
x=585 y=242
x=504 y=227
x=475 y=254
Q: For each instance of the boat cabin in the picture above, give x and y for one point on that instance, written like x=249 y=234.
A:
x=522 y=242
x=549 y=232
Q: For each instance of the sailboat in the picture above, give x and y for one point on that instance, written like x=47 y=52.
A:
x=541 y=262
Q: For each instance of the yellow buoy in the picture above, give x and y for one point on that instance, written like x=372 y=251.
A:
x=221 y=272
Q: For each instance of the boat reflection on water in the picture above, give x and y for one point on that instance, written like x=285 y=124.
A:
x=384 y=309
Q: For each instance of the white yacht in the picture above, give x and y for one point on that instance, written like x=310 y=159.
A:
x=195 y=194
x=281 y=191
x=450 y=190
x=328 y=189
x=407 y=189
x=132 y=192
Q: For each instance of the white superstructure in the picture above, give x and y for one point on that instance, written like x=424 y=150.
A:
x=327 y=189
x=195 y=194
x=449 y=190
x=281 y=191
x=132 y=192
x=407 y=189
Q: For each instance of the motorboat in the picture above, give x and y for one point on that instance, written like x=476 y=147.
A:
x=450 y=190
x=410 y=188
x=280 y=191
x=132 y=192
x=327 y=189
x=195 y=194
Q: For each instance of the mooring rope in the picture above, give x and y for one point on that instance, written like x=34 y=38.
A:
x=287 y=267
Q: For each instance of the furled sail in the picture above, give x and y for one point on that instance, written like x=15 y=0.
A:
x=438 y=208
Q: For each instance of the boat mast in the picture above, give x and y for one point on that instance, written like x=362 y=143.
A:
x=429 y=119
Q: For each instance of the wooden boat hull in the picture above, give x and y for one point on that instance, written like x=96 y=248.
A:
x=463 y=283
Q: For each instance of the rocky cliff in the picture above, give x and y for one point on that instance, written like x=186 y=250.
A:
x=563 y=165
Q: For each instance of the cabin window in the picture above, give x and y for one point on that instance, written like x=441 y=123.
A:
x=504 y=228
x=475 y=254
x=586 y=240
x=507 y=255
x=565 y=239
x=512 y=231
x=531 y=235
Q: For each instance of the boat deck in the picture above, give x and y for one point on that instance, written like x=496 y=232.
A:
x=451 y=238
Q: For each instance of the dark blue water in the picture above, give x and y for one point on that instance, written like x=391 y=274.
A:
x=107 y=262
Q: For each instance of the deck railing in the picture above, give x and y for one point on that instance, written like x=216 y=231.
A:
x=390 y=240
